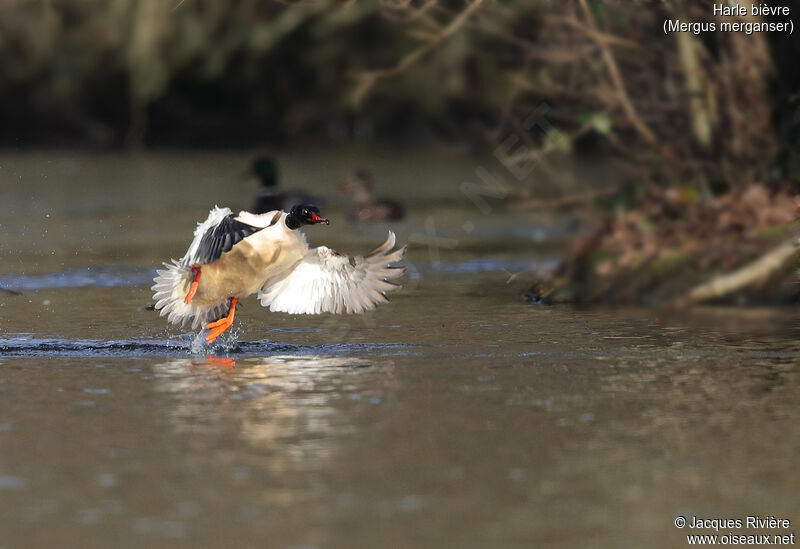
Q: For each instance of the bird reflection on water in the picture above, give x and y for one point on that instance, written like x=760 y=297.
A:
x=267 y=402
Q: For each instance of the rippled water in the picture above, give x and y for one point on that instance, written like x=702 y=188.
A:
x=456 y=416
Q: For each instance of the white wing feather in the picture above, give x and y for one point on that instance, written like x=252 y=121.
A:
x=325 y=281
x=215 y=217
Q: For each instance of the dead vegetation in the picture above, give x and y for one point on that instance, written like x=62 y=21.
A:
x=708 y=213
x=676 y=248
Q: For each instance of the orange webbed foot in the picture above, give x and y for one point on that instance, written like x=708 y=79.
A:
x=216 y=332
x=195 y=283
x=217 y=323
x=217 y=327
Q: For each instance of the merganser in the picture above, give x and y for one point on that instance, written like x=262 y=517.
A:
x=365 y=207
x=269 y=198
x=235 y=255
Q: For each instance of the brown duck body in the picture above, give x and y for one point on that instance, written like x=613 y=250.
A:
x=239 y=272
x=243 y=270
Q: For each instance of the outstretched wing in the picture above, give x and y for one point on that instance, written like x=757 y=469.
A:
x=215 y=236
x=325 y=281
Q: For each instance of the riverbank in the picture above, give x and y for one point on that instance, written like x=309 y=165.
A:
x=678 y=247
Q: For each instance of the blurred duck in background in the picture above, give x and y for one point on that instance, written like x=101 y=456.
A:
x=365 y=206
x=270 y=197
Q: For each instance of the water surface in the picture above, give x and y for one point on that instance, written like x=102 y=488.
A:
x=457 y=416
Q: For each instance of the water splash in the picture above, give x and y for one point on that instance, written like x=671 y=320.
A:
x=199 y=345
x=26 y=345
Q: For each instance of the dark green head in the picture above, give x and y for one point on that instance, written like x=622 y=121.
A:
x=265 y=169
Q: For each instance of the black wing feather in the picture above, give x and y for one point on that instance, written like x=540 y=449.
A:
x=222 y=238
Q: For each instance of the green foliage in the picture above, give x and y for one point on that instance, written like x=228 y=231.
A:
x=555 y=140
x=599 y=121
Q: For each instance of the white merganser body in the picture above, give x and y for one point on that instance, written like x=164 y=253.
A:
x=234 y=256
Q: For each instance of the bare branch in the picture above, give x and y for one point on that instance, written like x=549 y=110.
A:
x=608 y=57
x=749 y=275
x=367 y=79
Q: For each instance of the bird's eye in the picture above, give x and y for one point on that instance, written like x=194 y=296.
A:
x=305 y=211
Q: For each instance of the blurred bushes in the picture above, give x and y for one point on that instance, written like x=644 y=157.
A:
x=201 y=72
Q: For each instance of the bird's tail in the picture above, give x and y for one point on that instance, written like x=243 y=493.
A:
x=171 y=286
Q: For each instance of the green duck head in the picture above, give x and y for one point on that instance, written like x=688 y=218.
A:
x=265 y=169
